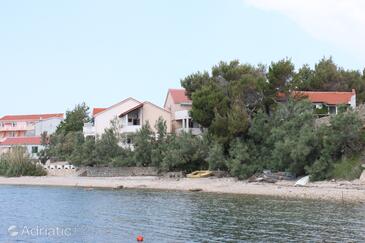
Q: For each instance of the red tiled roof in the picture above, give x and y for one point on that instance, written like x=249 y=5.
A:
x=179 y=96
x=98 y=110
x=21 y=141
x=331 y=98
x=30 y=117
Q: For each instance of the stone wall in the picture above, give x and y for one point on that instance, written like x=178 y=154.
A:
x=118 y=171
x=61 y=172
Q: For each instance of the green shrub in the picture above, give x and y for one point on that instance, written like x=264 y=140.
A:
x=239 y=162
x=185 y=152
x=216 y=158
x=124 y=159
x=347 y=169
x=319 y=169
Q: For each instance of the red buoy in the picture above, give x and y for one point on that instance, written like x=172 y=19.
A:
x=140 y=238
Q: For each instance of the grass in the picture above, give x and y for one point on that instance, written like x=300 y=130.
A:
x=17 y=163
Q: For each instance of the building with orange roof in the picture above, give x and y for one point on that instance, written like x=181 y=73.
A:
x=26 y=130
x=130 y=115
x=179 y=104
x=328 y=101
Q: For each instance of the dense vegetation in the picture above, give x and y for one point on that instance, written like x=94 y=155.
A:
x=17 y=163
x=246 y=129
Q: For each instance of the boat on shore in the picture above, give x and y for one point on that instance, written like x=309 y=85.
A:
x=200 y=174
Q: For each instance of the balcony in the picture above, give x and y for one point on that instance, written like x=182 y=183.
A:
x=180 y=115
x=194 y=130
x=130 y=128
x=16 y=128
x=89 y=130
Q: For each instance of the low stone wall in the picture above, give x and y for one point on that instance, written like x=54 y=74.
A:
x=61 y=172
x=118 y=171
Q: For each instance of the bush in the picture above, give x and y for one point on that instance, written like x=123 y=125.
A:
x=17 y=163
x=239 y=163
x=185 y=152
x=347 y=169
x=124 y=159
x=216 y=158
x=319 y=169
x=341 y=140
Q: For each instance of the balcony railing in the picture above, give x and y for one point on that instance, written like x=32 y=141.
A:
x=16 y=128
x=130 y=128
x=194 y=130
x=180 y=115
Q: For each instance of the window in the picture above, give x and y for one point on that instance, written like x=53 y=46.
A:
x=332 y=109
x=133 y=118
x=34 y=149
x=136 y=122
x=14 y=124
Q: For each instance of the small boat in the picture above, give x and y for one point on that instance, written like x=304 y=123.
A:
x=302 y=182
x=200 y=174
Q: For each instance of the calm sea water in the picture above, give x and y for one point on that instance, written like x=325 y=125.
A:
x=49 y=214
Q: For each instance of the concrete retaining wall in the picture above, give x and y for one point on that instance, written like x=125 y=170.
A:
x=119 y=171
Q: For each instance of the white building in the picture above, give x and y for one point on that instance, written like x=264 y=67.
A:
x=130 y=114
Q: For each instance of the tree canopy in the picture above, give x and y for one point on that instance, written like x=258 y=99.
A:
x=75 y=119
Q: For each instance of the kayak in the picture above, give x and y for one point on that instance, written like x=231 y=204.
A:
x=200 y=174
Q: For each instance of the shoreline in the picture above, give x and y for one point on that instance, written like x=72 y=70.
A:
x=344 y=191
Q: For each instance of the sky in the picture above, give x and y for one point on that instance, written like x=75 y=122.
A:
x=56 y=54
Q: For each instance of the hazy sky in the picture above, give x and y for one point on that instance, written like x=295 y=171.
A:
x=55 y=54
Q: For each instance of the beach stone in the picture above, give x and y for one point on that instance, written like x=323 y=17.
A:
x=119 y=187
x=195 y=190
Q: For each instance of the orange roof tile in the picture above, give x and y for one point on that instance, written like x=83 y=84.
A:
x=21 y=141
x=179 y=96
x=98 y=110
x=36 y=117
x=328 y=97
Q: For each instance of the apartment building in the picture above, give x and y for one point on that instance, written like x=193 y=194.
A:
x=26 y=131
x=179 y=105
x=130 y=114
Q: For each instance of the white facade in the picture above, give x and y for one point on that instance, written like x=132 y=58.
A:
x=103 y=119
x=31 y=149
x=49 y=126
x=352 y=102
x=130 y=115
